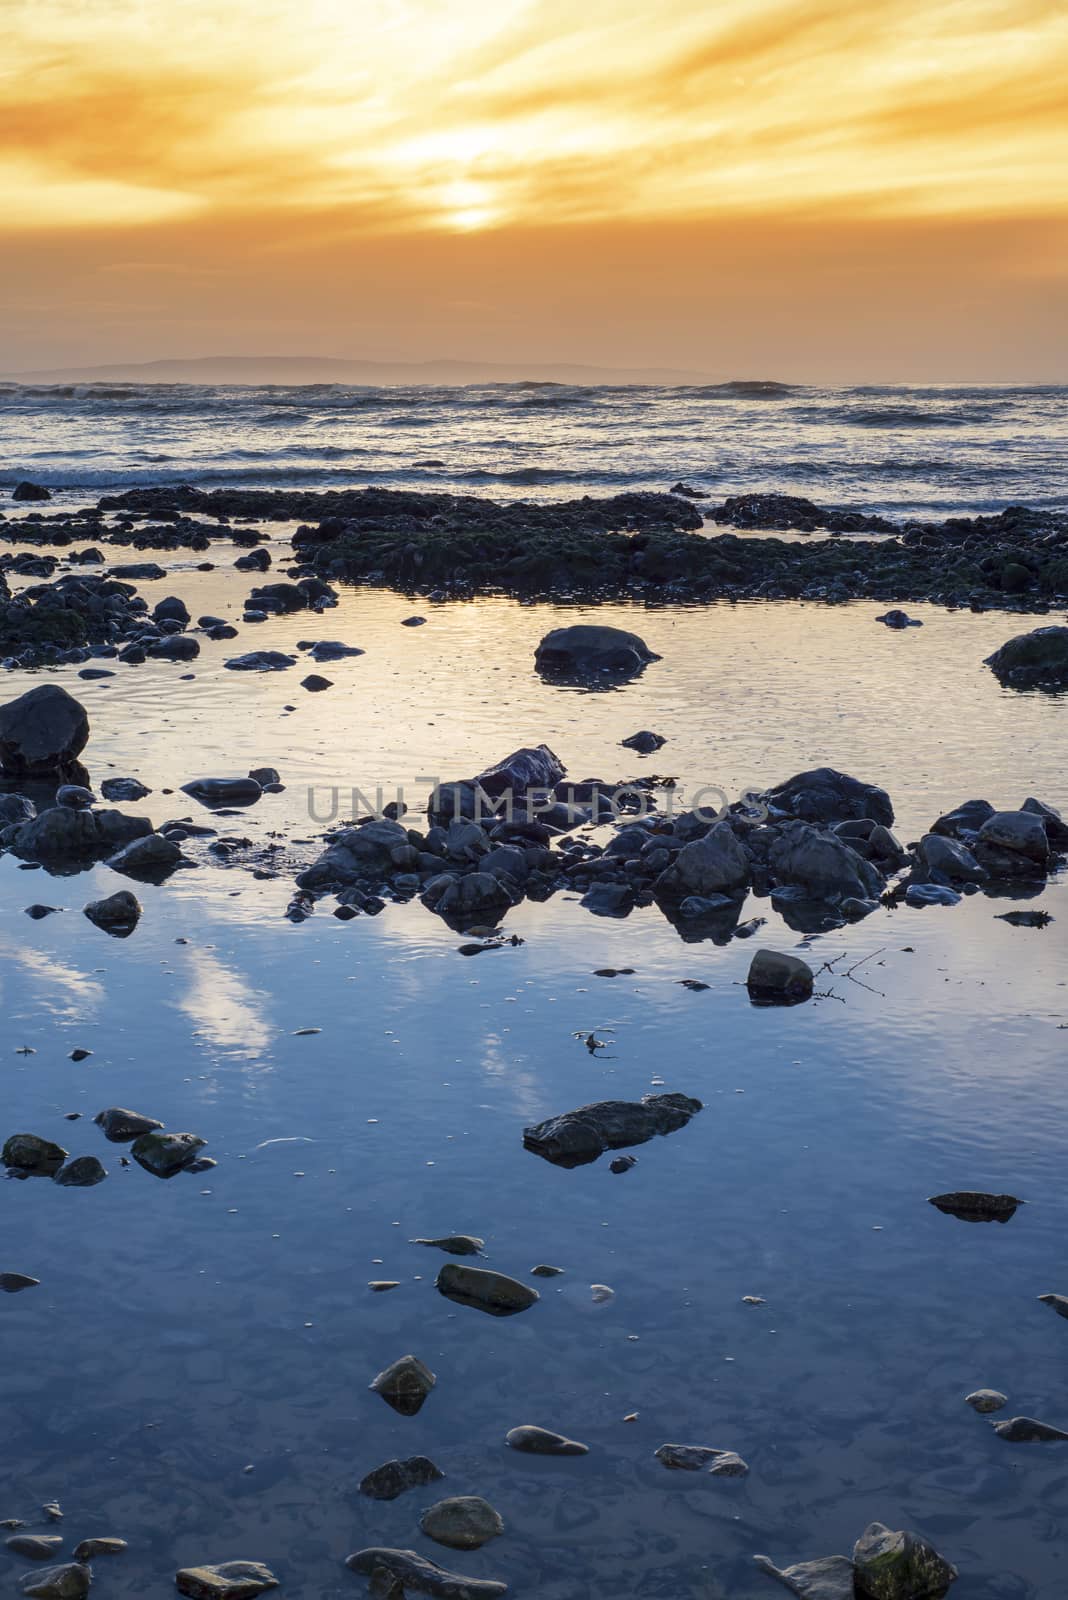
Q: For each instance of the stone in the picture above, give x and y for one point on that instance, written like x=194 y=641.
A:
x=455 y=1244
x=75 y=797
x=1025 y=1430
x=775 y=978
x=223 y=791
x=1022 y=833
x=30 y=491
x=315 y=683
x=123 y=789
x=821 y=864
x=464 y=1522
x=578 y=1137
x=717 y=863
x=475 y=894
x=919 y=895
x=16 y=808
x=825 y=795
x=609 y=899
x=165 y=1154
x=545 y=1271
x=899 y=1565
x=81 y=1173
x=34 y=1546
x=230 y=1580
x=1056 y=827
x=120 y=1126
x=175 y=647
x=404 y=1385
x=1059 y=1302
x=15 y=1282
x=696 y=1458
x=393 y=1478
x=261 y=661
x=899 y=619
x=532 y=767
x=151 y=857
x=987 y=1400
x=42 y=733
x=118 y=914
x=645 y=742
x=829 y=1578
x=99 y=1547
x=532 y=1441
x=964 y=821
x=68 y=1582
x=28 y=1152
x=493 y=1292
x=417 y=1575
x=59 y=834
x=329 y=649
x=587 y=649
x=1029 y=659
x=951 y=859
x=971 y=1205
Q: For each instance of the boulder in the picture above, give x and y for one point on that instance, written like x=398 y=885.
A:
x=42 y=733
x=919 y=895
x=577 y=1137
x=230 y=1580
x=118 y=914
x=261 y=661
x=951 y=859
x=645 y=742
x=532 y=1441
x=475 y=893
x=223 y=791
x=486 y=1291
x=165 y=1154
x=28 y=1152
x=698 y=1457
x=716 y=863
x=393 y=1478
x=404 y=1385
x=532 y=767
x=176 y=647
x=123 y=789
x=30 y=491
x=821 y=864
x=1012 y=843
x=1056 y=827
x=81 y=1173
x=964 y=821
x=356 y=853
x=824 y=795
x=463 y=1522
x=60 y=834
x=119 y=1126
x=16 y=808
x=899 y=1566
x=150 y=858
x=1029 y=659
x=829 y=1578
x=778 y=979
x=588 y=649
x=418 y=1576
x=67 y=1582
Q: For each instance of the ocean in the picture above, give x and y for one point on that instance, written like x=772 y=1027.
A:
x=898 y=451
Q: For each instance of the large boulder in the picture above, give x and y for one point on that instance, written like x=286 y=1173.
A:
x=717 y=863
x=1029 y=659
x=60 y=834
x=532 y=767
x=42 y=733
x=964 y=821
x=587 y=649
x=824 y=795
x=822 y=865
x=1013 y=844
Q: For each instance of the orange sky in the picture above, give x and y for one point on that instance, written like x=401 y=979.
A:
x=781 y=188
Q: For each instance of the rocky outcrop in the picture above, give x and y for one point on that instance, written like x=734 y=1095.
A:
x=42 y=733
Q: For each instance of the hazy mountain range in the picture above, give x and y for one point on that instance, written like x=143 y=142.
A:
x=327 y=369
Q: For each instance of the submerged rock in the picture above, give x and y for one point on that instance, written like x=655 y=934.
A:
x=28 y=1152
x=404 y=1385
x=120 y=1126
x=455 y=1244
x=261 y=661
x=822 y=864
x=34 y=1546
x=165 y=1154
x=1025 y=1430
x=532 y=1441
x=973 y=1206
x=42 y=733
x=124 y=789
x=223 y=791
x=1030 y=659
x=697 y=1457
x=150 y=858
x=830 y=1578
x=99 y=1547
x=118 y=914
x=581 y=1136
x=15 y=1282
x=81 y=1173
x=645 y=742
x=986 y=1400
x=393 y=1478
x=59 y=834
x=230 y=1580
x=415 y=1573
x=1059 y=1302
x=464 y=1522
x=899 y=1566
x=589 y=648
x=67 y=1582
x=778 y=979
x=487 y=1291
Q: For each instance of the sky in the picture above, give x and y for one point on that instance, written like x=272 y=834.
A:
x=795 y=189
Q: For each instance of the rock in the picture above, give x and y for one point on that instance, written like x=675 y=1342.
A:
x=15 y=1282
x=821 y=864
x=830 y=1578
x=532 y=1441
x=119 y=1126
x=1016 y=919
x=455 y=1244
x=1029 y=659
x=42 y=733
x=464 y=1522
x=588 y=649
x=1013 y=843
x=16 y=808
x=34 y=1546
x=117 y=915
x=81 y=1173
x=223 y=791
x=392 y=1478
x=899 y=1566
x=609 y=899
x=150 y=858
x=964 y=821
x=899 y=619
x=622 y=1164
x=265 y=775
x=28 y=1152
x=971 y=1205
x=486 y=1291
x=1056 y=827
x=99 y=1547
x=329 y=649
x=165 y=1154
x=412 y=622
x=123 y=789
x=420 y=1576
x=477 y=894
x=824 y=795
x=68 y=1582
x=75 y=797
x=951 y=859
x=986 y=1400
x=696 y=1457
x=1059 y=1302
x=778 y=979
x=175 y=647
x=581 y=1136
x=919 y=895
x=316 y=684
x=1025 y=1430
x=230 y=1580
x=59 y=834
x=39 y=912
x=30 y=491
x=717 y=863
x=261 y=661
x=645 y=742
x=404 y=1385
x=545 y=1271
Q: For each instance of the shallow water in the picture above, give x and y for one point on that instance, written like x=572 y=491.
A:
x=186 y=1332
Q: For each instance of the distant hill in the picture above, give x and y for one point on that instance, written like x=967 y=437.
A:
x=326 y=369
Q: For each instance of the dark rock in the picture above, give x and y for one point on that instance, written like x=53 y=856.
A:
x=178 y=647
x=165 y=1154
x=393 y=1478
x=532 y=1441
x=119 y=1126
x=81 y=1173
x=581 y=1136
x=261 y=661
x=150 y=858
x=464 y=1522
x=716 y=863
x=123 y=789
x=1032 y=659
x=919 y=895
x=28 y=1152
x=1059 y=1302
x=15 y=1282
x=223 y=791
x=645 y=742
x=34 y=1546
x=986 y=1400
x=1025 y=1430
x=68 y=1582
x=899 y=1566
x=899 y=619
x=30 y=491
x=589 y=648
x=824 y=795
x=118 y=914
x=171 y=609
x=697 y=1457
x=486 y=1291
x=951 y=859
x=455 y=1244
x=38 y=912
x=420 y=1576
x=965 y=821
x=404 y=1385
x=778 y=979
x=829 y=1578
x=42 y=733
x=973 y=1206
x=230 y=1580
x=59 y=834
x=315 y=684
x=821 y=865
x=622 y=1164
x=99 y=1547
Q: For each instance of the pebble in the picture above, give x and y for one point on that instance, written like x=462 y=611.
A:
x=985 y=1400
x=465 y=1522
